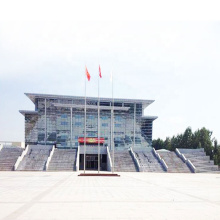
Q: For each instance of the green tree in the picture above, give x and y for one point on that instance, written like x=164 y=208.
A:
x=186 y=139
x=167 y=144
x=158 y=144
x=202 y=138
x=216 y=153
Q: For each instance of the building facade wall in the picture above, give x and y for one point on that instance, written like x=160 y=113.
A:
x=56 y=124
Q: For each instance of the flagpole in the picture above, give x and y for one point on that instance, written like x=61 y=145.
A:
x=85 y=130
x=134 y=125
x=113 y=144
x=98 y=128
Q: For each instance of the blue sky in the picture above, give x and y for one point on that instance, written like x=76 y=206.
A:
x=175 y=63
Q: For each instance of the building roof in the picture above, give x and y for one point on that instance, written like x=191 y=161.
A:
x=34 y=96
x=150 y=117
x=23 y=112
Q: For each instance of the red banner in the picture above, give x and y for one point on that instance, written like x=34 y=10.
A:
x=91 y=140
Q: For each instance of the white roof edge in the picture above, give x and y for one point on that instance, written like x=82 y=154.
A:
x=23 y=112
x=144 y=101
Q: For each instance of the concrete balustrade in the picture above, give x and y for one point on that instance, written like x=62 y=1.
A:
x=21 y=157
x=77 y=159
x=135 y=159
x=160 y=159
x=185 y=160
x=23 y=145
x=49 y=158
x=191 y=166
x=147 y=160
x=109 y=161
x=180 y=155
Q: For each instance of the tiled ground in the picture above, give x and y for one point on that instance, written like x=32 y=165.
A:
x=64 y=195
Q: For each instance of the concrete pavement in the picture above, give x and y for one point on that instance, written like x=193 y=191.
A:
x=64 y=195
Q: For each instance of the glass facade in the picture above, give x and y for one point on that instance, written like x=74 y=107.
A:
x=60 y=120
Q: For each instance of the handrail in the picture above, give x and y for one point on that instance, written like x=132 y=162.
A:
x=164 y=164
x=160 y=159
x=191 y=166
x=185 y=160
x=109 y=161
x=180 y=155
x=135 y=159
x=77 y=159
x=23 y=145
x=49 y=158
x=20 y=158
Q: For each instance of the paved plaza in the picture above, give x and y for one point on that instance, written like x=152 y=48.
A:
x=64 y=195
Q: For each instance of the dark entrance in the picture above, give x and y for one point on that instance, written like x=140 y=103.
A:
x=92 y=162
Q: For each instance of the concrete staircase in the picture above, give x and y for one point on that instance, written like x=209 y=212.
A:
x=35 y=159
x=8 y=157
x=123 y=162
x=63 y=160
x=174 y=163
x=148 y=162
x=199 y=159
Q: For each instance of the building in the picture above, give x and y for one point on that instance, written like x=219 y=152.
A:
x=55 y=141
x=59 y=120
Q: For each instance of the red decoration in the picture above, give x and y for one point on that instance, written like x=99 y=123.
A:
x=87 y=74
x=100 y=74
x=91 y=140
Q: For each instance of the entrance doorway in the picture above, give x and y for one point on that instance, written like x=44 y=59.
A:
x=92 y=162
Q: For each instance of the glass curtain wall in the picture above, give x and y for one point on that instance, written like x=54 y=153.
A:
x=54 y=127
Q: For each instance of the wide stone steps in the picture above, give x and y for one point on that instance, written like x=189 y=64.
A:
x=148 y=162
x=63 y=160
x=8 y=157
x=174 y=163
x=35 y=159
x=199 y=159
x=123 y=162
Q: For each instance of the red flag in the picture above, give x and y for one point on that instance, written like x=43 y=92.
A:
x=100 y=74
x=87 y=74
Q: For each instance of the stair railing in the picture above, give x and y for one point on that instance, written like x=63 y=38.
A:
x=109 y=160
x=185 y=160
x=191 y=166
x=77 y=158
x=180 y=155
x=136 y=160
x=20 y=158
x=160 y=159
x=49 y=158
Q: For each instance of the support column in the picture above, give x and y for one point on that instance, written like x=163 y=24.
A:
x=113 y=143
x=111 y=129
x=134 y=123
x=45 y=138
x=71 y=127
x=98 y=137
